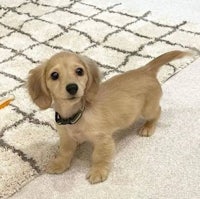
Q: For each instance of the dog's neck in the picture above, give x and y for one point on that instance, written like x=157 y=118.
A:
x=67 y=109
x=71 y=120
x=68 y=112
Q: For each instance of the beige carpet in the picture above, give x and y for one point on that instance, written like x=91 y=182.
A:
x=30 y=31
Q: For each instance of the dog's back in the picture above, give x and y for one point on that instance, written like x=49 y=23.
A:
x=143 y=78
x=136 y=92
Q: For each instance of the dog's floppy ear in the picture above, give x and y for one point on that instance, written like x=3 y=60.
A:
x=37 y=87
x=94 y=78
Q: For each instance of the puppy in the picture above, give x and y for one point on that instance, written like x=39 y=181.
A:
x=86 y=110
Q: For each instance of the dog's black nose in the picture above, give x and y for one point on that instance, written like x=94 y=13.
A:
x=72 y=89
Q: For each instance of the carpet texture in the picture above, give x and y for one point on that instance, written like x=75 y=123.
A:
x=31 y=31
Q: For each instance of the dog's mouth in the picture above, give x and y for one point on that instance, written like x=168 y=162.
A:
x=72 y=98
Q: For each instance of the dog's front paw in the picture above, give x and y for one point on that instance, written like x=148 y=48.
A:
x=57 y=166
x=96 y=175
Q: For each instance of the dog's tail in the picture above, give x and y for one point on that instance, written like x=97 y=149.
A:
x=154 y=65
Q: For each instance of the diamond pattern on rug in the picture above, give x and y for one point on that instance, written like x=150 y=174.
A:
x=32 y=31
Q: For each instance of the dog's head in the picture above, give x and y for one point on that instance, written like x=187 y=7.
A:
x=66 y=78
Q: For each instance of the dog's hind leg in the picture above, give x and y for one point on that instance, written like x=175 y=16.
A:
x=151 y=121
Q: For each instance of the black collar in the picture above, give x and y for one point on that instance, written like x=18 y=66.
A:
x=71 y=120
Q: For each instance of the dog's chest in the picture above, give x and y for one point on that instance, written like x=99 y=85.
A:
x=77 y=134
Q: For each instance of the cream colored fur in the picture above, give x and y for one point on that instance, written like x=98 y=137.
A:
x=114 y=104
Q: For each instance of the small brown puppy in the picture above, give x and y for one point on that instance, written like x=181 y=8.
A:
x=86 y=110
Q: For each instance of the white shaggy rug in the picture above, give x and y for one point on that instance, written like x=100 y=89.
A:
x=30 y=31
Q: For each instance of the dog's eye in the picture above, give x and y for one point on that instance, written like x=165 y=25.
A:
x=54 y=76
x=79 y=71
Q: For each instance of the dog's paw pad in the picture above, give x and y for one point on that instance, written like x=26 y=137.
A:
x=97 y=175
